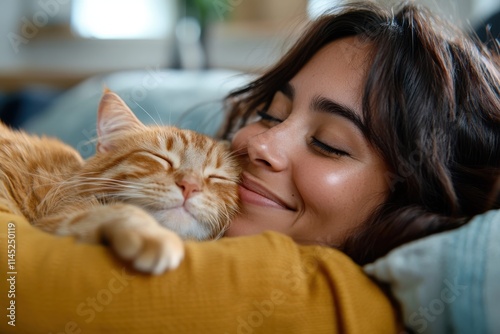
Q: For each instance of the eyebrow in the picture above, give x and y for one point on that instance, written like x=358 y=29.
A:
x=322 y=104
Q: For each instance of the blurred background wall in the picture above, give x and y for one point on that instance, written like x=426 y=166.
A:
x=49 y=46
x=60 y=42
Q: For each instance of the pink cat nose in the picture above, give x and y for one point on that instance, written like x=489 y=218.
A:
x=188 y=187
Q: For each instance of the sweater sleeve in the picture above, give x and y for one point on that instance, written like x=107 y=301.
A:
x=256 y=284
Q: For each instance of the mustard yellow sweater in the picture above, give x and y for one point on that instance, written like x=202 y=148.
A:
x=257 y=284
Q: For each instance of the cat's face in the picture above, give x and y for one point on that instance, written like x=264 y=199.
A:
x=187 y=181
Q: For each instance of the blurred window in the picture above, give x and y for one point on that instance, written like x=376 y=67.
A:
x=123 y=19
x=316 y=7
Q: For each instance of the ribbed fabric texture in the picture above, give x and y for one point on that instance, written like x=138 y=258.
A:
x=258 y=284
x=448 y=282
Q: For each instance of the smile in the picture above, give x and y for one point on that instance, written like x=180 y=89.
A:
x=253 y=193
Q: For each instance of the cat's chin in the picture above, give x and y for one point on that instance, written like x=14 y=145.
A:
x=183 y=222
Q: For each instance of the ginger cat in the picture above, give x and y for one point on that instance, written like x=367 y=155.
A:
x=145 y=189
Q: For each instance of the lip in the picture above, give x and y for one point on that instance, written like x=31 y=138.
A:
x=254 y=193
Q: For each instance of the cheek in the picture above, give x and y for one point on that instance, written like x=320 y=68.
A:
x=321 y=189
x=341 y=192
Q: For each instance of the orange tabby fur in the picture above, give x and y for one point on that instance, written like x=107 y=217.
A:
x=144 y=183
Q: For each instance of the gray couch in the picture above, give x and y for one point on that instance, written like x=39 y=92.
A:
x=188 y=99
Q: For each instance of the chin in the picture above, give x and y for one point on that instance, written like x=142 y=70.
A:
x=253 y=221
x=244 y=227
x=184 y=224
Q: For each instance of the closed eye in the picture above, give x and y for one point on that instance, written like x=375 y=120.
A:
x=164 y=158
x=160 y=158
x=218 y=177
x=327 y=149
x=264 y=116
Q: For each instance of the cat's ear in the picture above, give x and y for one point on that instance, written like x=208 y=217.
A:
x=114 y=117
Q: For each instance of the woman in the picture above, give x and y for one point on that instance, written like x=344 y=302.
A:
x=374 y=130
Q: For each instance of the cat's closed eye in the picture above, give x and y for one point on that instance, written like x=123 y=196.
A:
x=165 y=161
x=218 y=177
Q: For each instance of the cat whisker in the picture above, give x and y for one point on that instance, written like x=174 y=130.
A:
x=144 y=189
x=37 y=175
x=152 y=118
x=159 y=116
x=238 y=152
x=86 y=178
x=76 y=187
x=111 y=186
x=104 y=179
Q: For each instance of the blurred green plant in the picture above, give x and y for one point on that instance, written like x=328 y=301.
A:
x=209 y=10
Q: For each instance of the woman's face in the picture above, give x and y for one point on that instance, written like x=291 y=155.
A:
x=309 y=171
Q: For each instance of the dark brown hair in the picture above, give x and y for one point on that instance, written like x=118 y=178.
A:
x=431 y=105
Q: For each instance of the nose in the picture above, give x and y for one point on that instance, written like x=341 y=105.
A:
x=269 y=149
x=189 y=186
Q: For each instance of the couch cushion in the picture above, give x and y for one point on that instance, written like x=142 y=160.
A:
x=188 y=99
x=448 y=282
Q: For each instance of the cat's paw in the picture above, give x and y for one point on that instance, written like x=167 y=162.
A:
x=151 y=249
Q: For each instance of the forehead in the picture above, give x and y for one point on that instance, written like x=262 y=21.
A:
x=337 y=71
x=352 y=50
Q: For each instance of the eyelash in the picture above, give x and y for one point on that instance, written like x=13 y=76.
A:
x=326 y=149
x=322 y=147
x=218 y=177
x=163 y=158
x=264 y=116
